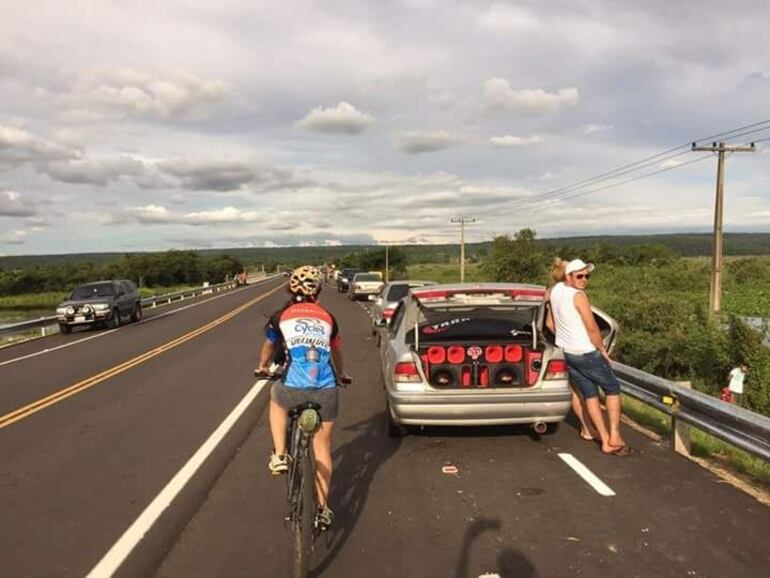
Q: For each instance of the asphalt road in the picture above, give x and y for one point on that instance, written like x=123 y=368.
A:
x=75 y=474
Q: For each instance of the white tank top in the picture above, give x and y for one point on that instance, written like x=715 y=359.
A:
x=571 y=333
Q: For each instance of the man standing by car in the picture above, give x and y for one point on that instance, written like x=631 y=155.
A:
x=578 y=335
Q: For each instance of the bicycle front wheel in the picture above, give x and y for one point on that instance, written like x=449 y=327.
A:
x=303 y=526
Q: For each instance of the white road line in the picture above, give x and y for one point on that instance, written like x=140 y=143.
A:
x=590 y=477
x=112 y=560
x=105 y=333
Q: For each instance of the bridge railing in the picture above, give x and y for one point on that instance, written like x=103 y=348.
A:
x=737 y=426
x=48 y=324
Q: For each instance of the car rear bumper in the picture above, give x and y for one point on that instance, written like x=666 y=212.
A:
x=487 y=408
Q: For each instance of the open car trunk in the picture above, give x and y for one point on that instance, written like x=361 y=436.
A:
x=479 y=347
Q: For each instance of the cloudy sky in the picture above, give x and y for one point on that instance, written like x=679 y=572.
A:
x=169 y=124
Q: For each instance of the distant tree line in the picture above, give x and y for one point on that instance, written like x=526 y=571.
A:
x=374 y=260
x=146 y=269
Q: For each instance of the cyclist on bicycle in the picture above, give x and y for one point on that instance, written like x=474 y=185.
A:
x=308 y=335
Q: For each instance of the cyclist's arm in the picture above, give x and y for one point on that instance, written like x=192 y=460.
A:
x=337 y=359
x=266 y=355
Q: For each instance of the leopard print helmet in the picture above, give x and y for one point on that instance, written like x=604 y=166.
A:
x=305 y=280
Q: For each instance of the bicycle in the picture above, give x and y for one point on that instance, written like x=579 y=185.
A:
x=304 y=421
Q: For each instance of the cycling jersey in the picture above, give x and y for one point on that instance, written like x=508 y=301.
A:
x=307 y=333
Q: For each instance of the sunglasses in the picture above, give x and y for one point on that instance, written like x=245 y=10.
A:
x=583 y=276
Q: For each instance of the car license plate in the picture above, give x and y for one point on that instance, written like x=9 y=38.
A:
x=80 y=318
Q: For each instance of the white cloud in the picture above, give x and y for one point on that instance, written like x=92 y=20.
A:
x=415 y=142
x=592 y=128
x=159 y=215
x=505 y=18
x=119 y=93
x=500 y=96
x=19 y=146
x=14 y=237
x=510 y=141
x=12 y=204
x=341 y=119
x=670 y=164
x=93 y=171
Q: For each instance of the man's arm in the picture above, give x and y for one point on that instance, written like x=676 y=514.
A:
x=548 y=312
x=584 y=308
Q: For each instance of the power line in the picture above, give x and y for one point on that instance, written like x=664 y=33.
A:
x=661 y=157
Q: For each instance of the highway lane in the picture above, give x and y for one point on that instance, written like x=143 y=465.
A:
x=25 y=379
x=515 y=508
x=75 y=475
x=54 y=340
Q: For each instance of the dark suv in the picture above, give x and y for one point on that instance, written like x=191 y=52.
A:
x=101 y=302
x=344 y=279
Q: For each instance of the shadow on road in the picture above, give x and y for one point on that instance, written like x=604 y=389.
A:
x=510 y=563
x=355 y=465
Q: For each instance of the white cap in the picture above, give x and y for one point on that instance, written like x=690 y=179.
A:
x=577 y=265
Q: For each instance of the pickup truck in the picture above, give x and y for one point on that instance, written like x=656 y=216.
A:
x=100 y=303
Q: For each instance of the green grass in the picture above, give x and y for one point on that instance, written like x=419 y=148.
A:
x=703 y=444
x=445 y=272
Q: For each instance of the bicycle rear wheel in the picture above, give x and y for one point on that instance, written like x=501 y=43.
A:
x=306 y=511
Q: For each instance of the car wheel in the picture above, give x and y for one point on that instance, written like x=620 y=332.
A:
x=64 y=329
x=114 y=319
x=137 y=314
x=395 y=429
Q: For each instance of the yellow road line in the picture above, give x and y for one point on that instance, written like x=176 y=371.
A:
x=76 y=388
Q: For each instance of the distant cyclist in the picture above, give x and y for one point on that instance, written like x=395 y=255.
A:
x=308 y=336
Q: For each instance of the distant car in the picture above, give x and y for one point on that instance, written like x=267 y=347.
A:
x=392 y=293
x=344 y=278
x=470 y=354
x=364 y=285
x=100 y=303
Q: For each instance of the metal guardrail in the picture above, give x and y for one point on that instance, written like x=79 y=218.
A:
x=740 y=427
x=43 y=323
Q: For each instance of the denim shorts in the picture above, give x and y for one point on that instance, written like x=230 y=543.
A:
x=590 y=371
x=290 y=397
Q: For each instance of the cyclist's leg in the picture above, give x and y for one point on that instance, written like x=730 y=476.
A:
x=322 y=447
x=279 y=421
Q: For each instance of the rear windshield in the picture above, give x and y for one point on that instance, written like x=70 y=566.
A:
x=398 y=292
x=368 y=277
x=477 y=323
x=96 y=290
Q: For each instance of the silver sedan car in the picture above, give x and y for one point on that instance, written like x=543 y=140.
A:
x=392 y=293
x=475 y=354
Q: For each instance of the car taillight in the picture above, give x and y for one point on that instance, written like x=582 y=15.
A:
x=387 y=313
x=455 y=354
x=557 y=369
x=406 y=372
x=493 y=354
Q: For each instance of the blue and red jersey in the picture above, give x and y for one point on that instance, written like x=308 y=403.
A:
x=307 y=333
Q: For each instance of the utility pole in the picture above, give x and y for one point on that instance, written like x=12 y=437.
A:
x=715 y=287
x=462 y=221
x=386 y=264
